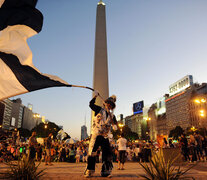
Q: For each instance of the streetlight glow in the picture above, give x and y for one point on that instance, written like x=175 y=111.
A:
x=203 y=100
x=121 y=125
x=202 y=115
x=197 y=101
x=201 y=111
x=193 y=128
x=148 y=119
x=36 y=115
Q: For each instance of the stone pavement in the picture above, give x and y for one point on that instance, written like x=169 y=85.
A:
x=65 y=171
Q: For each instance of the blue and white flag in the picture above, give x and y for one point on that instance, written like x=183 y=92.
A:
x=19 y=20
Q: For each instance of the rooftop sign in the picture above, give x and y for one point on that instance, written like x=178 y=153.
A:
x=181 y=85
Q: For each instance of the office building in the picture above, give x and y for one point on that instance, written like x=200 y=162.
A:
x=84 y=134
x=5 y=114
x=17 y=113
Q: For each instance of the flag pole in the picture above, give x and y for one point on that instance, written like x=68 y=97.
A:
x=83 y=87
x=99 y=96
x=90 y=89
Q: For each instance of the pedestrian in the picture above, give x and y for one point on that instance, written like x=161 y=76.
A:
x=72 y=153
x=192 y=143
x=147 y=152
x=48 y=149
x=122 y=142
x=184 y=147
x=39 y=152
x=199 y=149
x=32 y=146
x=84 y=154
x=101 y=135
x=204 y=147
x=78 y=154
x=171 y=145
x=137 y=150
x=165 y=144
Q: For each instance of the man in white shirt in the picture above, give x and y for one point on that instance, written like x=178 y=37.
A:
x=122 y=142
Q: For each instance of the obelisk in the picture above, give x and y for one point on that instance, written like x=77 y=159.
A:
x=100 y=73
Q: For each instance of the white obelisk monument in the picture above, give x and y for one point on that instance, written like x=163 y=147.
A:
x=100 y=74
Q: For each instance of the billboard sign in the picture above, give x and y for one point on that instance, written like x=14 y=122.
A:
x=181 y=85
x=138 y=107
x=13 y=121
x=161 y=107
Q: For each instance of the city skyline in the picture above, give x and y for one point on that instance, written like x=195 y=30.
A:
x=150 y=46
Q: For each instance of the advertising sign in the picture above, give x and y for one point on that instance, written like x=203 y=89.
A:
x=138 y=107
x=13 y=121
x=181 y=85
x=161 y=107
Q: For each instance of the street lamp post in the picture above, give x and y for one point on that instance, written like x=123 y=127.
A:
x=121 y=126
x=148 y=127
x=45 y=126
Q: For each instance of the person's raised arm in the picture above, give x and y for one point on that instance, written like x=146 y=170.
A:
x=92 y=104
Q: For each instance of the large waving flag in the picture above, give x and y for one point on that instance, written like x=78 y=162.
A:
x=19 y=20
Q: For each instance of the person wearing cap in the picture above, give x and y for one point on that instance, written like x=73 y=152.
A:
x=101 y=135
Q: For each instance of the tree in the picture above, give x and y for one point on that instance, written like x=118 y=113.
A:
x=128 y=134
x=192 y=130
x=24 y=132
x=175 y=133
x=43 y=130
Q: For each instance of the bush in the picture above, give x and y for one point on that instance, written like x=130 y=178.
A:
x=160 y=168
x=24 y=169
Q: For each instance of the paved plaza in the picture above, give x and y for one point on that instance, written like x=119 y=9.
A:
x=64 y=171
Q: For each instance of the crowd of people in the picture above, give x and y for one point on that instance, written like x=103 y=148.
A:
x=192 y=147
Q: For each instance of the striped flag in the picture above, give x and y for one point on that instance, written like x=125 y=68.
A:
x=19 y=20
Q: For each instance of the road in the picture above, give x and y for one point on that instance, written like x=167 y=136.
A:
x=73 y=171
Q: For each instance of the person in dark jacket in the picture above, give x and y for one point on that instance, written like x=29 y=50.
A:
x=100 y=136
x=48 y=149
x=184 y=147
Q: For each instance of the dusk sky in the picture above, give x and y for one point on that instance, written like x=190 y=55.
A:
x=151 y=44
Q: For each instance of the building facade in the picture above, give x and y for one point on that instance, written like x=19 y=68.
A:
x=134 y=122
x=152 y=122
x=198 y=107
x=178 y=110
x=5 y=113
x=161 y=116
x=84 y=134
x=182 y=109
x=17 y=113
x=29 y=120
